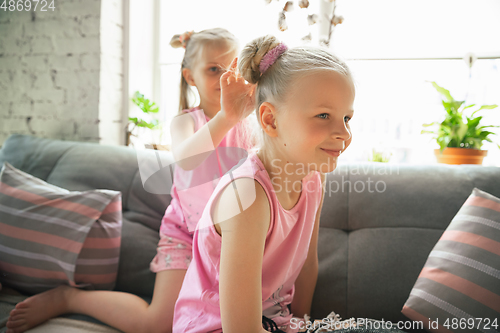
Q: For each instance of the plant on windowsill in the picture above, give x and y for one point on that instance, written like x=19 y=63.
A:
x=459 y=136
x=147 y=107
x=379 y=156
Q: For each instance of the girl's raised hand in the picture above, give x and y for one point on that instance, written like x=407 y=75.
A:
x=237 y=96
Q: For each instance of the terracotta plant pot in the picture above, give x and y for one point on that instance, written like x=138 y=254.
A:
x=460 y=155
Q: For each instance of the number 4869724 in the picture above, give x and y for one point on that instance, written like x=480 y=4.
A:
x=27 y=5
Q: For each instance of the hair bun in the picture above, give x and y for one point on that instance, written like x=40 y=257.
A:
x=175 y=42
x=181 y=40
x=252 y=54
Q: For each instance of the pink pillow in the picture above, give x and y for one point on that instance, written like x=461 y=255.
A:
x=458 y=289
x=50 y=236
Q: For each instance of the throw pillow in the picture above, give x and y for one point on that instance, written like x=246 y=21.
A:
x=459 y=286
x=51 y=236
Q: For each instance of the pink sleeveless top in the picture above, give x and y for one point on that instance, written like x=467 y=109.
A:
x=287 y=243
x=191 y=189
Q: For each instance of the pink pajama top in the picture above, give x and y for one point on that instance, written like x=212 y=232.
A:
x=191 y=189
x=287 y=243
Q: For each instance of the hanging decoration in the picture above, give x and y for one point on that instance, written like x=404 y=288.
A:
x=332 y=20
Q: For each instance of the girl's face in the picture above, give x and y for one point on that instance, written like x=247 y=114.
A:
x=213 y=61
x=315 y=122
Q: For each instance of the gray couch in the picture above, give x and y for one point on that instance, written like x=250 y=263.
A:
x=379 y=221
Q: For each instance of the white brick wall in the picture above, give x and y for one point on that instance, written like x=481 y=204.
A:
x=61 y=72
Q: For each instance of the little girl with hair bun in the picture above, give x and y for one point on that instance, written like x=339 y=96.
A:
x=197 y=134
x=255 y=262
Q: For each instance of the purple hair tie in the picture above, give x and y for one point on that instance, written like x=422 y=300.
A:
x=270 y=57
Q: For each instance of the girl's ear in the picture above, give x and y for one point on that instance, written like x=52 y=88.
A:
x=267 y=116
x=188 y=76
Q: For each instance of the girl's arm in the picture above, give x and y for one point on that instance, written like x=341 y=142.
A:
x=306 y=281
x=243 y=239
x=237 y=101
x=186 y=143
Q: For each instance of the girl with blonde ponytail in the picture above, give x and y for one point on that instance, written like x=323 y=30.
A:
x=197 y=134
x=195 y=44
x=255 y=261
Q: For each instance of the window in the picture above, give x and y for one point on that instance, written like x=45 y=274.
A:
x=394 y=99
x=393 y=48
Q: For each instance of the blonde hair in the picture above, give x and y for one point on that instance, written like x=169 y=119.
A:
x=194 y=45
x=294 y=63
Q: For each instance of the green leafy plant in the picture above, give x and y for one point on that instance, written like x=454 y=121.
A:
x=458 y=130
x=378 y=156
x=147 y=107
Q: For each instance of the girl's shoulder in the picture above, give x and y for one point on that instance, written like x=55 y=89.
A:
x=191 y=109
x=316 y=176
x=196 y=117
x=314 y=182
x=241 y=199
x=249 y=167
x=239 y=189
x=193 y=112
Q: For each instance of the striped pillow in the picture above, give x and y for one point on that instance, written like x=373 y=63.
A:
x=459 y=286
x=51 y=236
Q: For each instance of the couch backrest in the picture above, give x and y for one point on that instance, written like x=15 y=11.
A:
x=79 y=166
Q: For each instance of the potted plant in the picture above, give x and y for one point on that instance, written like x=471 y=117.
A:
x=460 y=137
x=379 y=156
x=147 y=107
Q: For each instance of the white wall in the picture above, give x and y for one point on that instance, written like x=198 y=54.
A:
x=60 y=71
x=111 y=75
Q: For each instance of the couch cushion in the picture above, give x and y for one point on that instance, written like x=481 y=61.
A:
x=460 y=280
x=50 y=236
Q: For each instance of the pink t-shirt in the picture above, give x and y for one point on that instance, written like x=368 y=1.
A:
x=191 y=189
x=287 y=242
